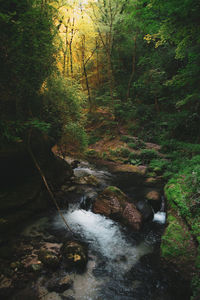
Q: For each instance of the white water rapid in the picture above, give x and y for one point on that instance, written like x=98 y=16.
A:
x=107 y=244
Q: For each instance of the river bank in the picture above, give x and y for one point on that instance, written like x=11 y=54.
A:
x=122 y=264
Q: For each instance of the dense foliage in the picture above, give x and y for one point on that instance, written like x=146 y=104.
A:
x=33 y=95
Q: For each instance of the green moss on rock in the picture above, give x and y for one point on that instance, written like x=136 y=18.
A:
x=177 y=243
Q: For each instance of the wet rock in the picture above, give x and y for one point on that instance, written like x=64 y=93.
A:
x=49 y=259
x=145 y=209
x=5 y=282
x=89 y=180
x=86 y=203
x=52 y=296
x=36 y=267
x=75 y=163
x=49 y=255
x=132 y=217
x=154 y=199
x=152 y=181
x=71 y=188
x=60 y=285
x=75 y=255
x=113 y=203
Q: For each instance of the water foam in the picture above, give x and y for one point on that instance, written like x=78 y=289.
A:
x=105 y=237
x=159 y=217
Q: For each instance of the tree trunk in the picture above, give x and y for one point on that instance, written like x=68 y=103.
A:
x=98 y=74
x=70 y=47
x=85 y=72
x=133 y=70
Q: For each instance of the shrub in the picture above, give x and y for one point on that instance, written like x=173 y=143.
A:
x=74 y=137
x=124 y=152
x=133 y=145
x=148 y=154
x=125 y=139
x=93 y=139
x=133 y=156
x=158 y=165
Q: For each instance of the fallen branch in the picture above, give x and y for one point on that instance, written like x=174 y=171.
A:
x=45 y=182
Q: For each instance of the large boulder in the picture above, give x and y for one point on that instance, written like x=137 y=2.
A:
x=23 y=193
x=113 y=203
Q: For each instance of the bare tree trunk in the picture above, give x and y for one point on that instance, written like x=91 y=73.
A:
x=70 y=47
x=98 y=74
x=133 y=69
x=85 y=72
x=65 y=49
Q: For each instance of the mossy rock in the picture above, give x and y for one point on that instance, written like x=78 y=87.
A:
x=113 y=203
x=177 y=245
x=75 y=254
x=113 y=191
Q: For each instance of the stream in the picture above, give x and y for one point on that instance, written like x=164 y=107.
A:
x=122 y=264
x=115 y=269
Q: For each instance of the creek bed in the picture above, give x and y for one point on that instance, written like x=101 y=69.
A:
x=122 y=265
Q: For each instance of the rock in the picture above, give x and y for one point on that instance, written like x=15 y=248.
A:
x=132 y=217
x=113 y=203
x=52 y=296
x=89 y=180
x=145 y=209
x=71 y=189
x=110 y=203
x=74 y=164
x=152 y=181
x=86 y=203
x=154 y=199
x=68 y=188
x=60 y=285
x=49 y=259
x=49 y=255
x=75 y=254
x=37 y=267
x=5 y=283
x=138 y=170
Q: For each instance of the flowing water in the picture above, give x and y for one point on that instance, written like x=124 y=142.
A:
x=122 y=264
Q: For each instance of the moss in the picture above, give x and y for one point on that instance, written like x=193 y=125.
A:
x=176 y=243
x=113 y=189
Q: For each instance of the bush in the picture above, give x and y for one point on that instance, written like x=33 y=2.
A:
x=158 y=165
x=148 y=154
x=133 y=146
x=93 y=139
x=74 y=137
x=62 y=104
x=124 y=152
x=125 y=139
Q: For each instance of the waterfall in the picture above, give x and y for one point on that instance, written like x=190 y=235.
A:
x=160 y=216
